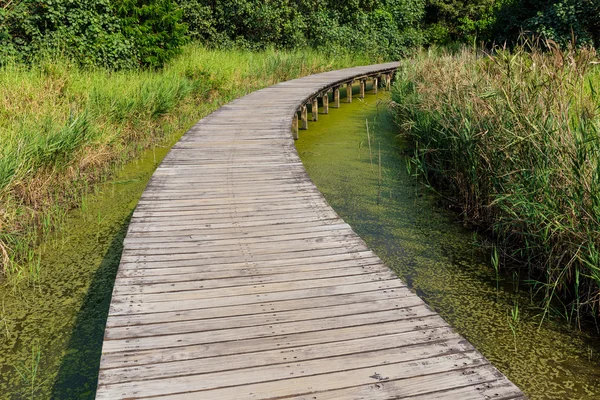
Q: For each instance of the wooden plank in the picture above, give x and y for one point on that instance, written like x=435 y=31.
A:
x=256 y=320
x=168 y=340
x=126 y=286
x=439 y=337
x=398 y=296
x=282 y=343
x=119 y=307
x=196 y=290
x=293 y=378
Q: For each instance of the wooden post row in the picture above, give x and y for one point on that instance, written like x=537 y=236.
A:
x=336 y=97
x=304 y=118
x=349 y=92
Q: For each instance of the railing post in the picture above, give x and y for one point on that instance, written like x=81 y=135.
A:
x=315 y=109
x=363 y=83
x=349 y=92
x=304 y=118
x=326 y=102
x=336 y=97
x=295 y=126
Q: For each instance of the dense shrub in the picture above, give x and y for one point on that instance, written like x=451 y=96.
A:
x=85 y=30
x=387 y=28
x=559 y=20
x=122 y=33
x=450 y=21
x=154 y=28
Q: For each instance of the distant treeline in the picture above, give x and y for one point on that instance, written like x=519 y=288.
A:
x=131 y=33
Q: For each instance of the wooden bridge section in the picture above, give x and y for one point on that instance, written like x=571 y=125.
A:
x=238 y=280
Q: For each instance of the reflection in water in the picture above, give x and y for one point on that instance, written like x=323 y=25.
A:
x=437 y=257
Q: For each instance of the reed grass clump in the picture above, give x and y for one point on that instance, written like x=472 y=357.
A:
x=513 y=137
x=64 y=128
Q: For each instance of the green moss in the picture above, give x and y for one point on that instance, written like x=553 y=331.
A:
x=437 y=257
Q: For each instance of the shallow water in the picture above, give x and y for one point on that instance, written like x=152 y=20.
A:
x=439 y=258
x=51 y=335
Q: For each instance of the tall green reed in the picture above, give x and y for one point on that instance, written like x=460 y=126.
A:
x=513 y=137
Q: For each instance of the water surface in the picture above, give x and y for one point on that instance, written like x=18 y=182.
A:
x=51 y=334
x=405 y=225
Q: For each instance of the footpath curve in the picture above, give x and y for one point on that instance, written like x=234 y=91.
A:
x=239 y=281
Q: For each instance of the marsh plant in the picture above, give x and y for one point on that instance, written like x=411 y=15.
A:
x=28 y=370
x=513 y=138
x=64 y=128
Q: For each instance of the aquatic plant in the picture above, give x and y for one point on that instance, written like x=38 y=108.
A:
x=513 y=138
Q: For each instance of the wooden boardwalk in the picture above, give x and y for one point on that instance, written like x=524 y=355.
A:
x=238 y=280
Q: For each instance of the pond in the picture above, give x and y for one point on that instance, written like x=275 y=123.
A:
x=365 y=178
x=51 y=333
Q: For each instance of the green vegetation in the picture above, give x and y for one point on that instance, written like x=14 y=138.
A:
x=513 y=139
x=114 y=34
x=131 y=33
x=504 y=21
x=63 y=127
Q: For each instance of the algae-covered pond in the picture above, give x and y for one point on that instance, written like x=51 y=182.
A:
x=51 y=334
x=439 y=258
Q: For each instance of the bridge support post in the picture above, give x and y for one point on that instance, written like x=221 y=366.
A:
x=304 y=118
x=295 y=126
x=336 y=97
x=375 y=84
x=363 y=83
x=315 y=109
x=326 y=102
x=388 y=81
x=349 y=92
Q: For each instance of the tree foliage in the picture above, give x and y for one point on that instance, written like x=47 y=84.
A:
x=560 y=20
x=387 y=28
x=131 y=33
x=117 y=34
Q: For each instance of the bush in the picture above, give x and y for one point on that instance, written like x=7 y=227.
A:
x=559 y=20
x=154 y=28
x=85 y=30
x=384 y=28
x=120 y=34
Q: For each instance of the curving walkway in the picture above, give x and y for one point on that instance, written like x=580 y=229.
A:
x=238 y=280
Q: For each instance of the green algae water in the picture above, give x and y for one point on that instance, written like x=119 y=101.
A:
x=438 y=258
x=51 y=333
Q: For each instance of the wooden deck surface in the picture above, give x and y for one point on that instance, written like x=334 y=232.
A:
x=238 y=281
